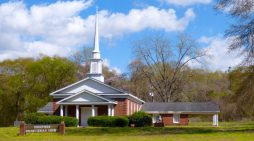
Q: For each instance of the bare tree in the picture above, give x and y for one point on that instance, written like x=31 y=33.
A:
x=242 y=32
x=82 y=56
x=81 y=59
x=163 y=63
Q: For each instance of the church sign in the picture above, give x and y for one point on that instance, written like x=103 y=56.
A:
x=31 y=128
x=41 y=128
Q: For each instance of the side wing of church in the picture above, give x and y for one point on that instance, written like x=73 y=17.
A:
x=91 y=96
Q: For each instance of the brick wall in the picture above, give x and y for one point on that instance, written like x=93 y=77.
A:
x=126 y=107
x=102 y=110
x=71 y=110
x=167 y=119
x=184 y=120
x=56 y=107
x=121 y=107
x=132 y=107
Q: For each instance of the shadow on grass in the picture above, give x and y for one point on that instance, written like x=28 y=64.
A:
x=156 y=130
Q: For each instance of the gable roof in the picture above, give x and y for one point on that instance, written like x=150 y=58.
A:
x=83 y=80
x=123 y=95
x=47 y=109
x=181 y=107
x=104 y=100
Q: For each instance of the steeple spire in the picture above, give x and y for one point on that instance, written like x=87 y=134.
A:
x=96 y=36
x=96 y=61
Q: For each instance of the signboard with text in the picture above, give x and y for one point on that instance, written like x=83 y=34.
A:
x=31 y=128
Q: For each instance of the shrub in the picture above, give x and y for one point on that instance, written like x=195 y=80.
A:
x=32 y=118
x=140 y=119
x=35 y=118
x=108 y=121
x=70 y=121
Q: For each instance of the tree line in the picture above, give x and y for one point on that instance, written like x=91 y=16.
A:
x=159 y=72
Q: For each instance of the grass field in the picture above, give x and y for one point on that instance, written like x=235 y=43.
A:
x=233 y=131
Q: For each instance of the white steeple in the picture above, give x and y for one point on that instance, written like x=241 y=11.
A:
x=96 y=50
x=96 y=61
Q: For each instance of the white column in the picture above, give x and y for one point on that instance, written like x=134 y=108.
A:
x=215 y=120
x=66 y=110
x=61 y=110
x=214 y=116
x=154 y=118
x=93 y=111
x=77 y=111
x=109 y=110
x=112 y=110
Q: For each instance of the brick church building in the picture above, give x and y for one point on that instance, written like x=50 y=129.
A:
x=92 y=97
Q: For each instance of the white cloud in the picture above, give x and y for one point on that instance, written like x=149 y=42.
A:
x=58 y=28
x=106 y=63
x=117 y=70
x=187 y=2
x=218 y=57
x=113 y=24
x=40 y=29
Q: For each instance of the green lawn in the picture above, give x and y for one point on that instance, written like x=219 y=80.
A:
x=233 y=131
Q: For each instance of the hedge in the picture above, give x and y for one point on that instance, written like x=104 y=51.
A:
x=108 y=121
x=140 y=119
x=38 y=118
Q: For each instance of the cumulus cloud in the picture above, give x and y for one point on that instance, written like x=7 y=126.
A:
x=187 y=2
x=218 y=56
x=106 y=63
x=139 y=19
x=58 y=28
x=40 y=29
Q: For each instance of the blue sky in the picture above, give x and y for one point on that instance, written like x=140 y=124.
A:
x=30 y=28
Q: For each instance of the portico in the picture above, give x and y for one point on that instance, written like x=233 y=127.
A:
x=64 y=110
x=83 y=112
x=86 y=104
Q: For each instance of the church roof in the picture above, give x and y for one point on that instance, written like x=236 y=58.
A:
x=88 y=78
x=47 y=109
x=95 y=87
x=94 y=99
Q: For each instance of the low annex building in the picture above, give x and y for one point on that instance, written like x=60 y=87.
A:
x=92 y=97
x=177 y=113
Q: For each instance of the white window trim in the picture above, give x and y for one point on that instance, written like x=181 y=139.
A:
x=176 y=116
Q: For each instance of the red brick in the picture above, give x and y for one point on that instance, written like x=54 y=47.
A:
x=167 y=119
x=184 y=119
x=121 y=107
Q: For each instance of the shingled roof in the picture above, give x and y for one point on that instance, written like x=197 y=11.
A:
x=181 y=107
x=47 y=109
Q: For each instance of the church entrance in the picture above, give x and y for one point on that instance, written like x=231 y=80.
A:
x=86 y=112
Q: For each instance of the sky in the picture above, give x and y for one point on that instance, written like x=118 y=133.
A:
x=30 y=28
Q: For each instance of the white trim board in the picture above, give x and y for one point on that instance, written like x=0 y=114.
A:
x=88 y=78
x=182 y=112
x=87 y=92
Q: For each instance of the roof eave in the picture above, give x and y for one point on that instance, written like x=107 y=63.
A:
x=181 y=112
x=82 y=103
